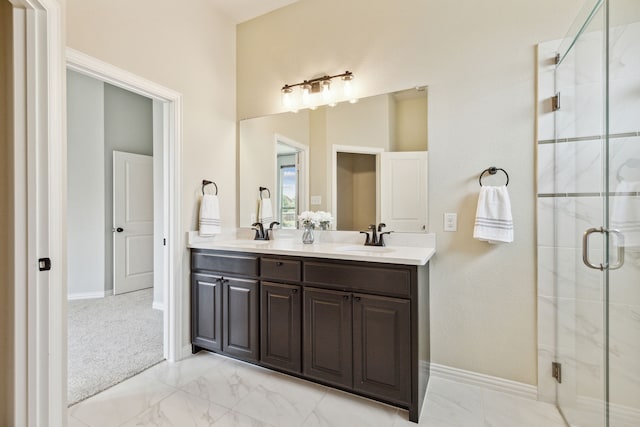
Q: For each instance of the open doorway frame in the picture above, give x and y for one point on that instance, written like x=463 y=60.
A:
x=303 y=171
x=335 y=149
x=167 y=106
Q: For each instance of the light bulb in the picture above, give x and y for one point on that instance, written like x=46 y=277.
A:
x=326 y=91
x=347 y=87
x=287 y=99
x=306 y=94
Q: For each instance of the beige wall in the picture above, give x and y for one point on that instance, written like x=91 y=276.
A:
x=187 y=48
x=411 y=125
x=477 y=59
x=6 y=214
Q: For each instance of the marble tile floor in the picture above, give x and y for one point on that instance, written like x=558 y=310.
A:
x=209 y=389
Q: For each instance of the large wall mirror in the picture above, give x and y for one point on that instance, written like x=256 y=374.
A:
x=364 y=162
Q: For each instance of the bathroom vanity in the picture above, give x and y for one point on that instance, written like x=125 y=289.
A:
x=347 y=316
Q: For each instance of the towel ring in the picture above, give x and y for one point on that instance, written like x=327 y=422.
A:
x=262 y=189
x=492 y=171
x=207 y=182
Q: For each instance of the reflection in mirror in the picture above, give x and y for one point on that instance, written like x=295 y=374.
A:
x=315 y=160
x=290 y=182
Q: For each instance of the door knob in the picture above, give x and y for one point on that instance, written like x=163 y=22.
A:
x=119 y=229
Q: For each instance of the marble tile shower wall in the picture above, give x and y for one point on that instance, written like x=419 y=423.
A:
x=569 y=186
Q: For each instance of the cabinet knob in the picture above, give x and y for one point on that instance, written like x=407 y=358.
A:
x=356 y=299
x=345 y=297
x=294 y=291
x=279 y=263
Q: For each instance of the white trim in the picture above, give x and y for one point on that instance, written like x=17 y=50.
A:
x=158 y=306
x=186 y=351
x=88 y=295
x=335 y=149
x=20 y=217
x=172 y=103
x=502 y=385
x=41 y=144
x=304 y=197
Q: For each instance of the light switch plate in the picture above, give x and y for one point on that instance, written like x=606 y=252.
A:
x=450 y=222
x=316 y=200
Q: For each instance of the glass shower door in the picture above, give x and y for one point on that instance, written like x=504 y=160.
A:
x=580 y=205
x=623 y=202
x=597 y=216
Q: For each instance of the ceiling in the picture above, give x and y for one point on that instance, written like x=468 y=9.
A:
x=244 y=10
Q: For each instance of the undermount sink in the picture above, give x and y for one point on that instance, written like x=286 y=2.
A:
x=368 y=249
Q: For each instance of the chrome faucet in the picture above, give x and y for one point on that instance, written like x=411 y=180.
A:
x=377 y=235
x=261 y=233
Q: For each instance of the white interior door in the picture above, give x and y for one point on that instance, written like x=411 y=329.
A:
x=403 y=190
x=132 y=222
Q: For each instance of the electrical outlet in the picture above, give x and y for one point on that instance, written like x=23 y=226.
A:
x=450 y=222
x=316 y=200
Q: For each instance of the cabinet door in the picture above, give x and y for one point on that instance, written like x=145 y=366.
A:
x=206 y=311
x=280 y=344
x=381 y=347
x=240 y=314
x=327 y=337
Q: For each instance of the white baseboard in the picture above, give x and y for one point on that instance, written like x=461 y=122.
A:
x=487 y=381
x=158 y=306
x=89 y=295
x=186 y=351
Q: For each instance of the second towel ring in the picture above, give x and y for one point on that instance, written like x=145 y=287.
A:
x=262 y=189
x=492 y=171
x=206 y=182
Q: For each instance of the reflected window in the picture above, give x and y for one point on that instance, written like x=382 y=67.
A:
x=288 y=186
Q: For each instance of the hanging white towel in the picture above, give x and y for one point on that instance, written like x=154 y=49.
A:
x=266 y=212
x=625 y=214
x=209 y=215
x=494 y=222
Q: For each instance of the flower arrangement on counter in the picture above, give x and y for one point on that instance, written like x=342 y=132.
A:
x=313 y=219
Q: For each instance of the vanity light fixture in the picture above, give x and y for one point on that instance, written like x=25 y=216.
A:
x=318 y=91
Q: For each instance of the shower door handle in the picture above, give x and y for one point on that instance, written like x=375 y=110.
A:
x=620 y=260
x=585 y=248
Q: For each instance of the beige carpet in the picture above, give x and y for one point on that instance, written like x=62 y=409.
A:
x=110 y=340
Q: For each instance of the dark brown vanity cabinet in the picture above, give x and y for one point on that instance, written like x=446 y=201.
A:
x=358 y=341
x=359 y=326
x=225 y=304
x=206 y=311
x=280 y=326
x=328 y=336
x=240 y=318
x=381 y=347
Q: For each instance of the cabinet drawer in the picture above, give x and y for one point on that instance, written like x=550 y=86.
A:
x=280 y=269
x=221 y=262
x=379 y=280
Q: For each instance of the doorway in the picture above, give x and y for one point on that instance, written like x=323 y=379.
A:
x=110 y=238
x=357 y=196
x=291 y=179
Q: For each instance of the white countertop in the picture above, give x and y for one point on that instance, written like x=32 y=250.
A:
x=346 y=250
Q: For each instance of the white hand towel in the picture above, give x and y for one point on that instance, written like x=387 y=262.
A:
x=494 y=222
x=209 y=215
x=266 y=212
x=625 y=214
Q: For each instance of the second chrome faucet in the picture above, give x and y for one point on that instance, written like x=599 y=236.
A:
x=376 y=238
x=261 y=233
